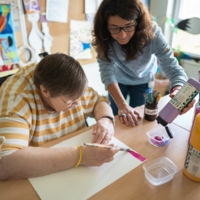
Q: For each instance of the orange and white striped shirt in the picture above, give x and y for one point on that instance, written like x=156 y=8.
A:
x=24 y=121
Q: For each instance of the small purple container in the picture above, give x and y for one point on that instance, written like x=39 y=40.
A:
x=158 y=136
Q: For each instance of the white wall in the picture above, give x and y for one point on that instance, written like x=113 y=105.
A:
x=94 y=79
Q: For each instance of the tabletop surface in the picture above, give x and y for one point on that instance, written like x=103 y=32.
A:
x=133 y=185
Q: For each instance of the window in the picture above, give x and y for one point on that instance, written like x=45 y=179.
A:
x=189 y=9
x=183 y=40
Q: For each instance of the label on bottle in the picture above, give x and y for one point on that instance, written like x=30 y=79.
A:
x=192 y=161
x=150 y=111
x=184 y=96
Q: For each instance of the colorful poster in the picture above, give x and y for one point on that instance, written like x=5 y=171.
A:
x=80 y=39
x=15 y=13
x=31 y=6
x=8 y=49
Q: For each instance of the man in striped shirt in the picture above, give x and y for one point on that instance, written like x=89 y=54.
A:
x=41 y=103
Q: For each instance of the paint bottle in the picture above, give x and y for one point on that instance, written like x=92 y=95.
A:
x=184 y=96
x=198 y=103
x=192 y=161
x=197 y=111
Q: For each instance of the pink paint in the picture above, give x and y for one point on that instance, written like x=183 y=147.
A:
x=159 y=138
x=137 y=155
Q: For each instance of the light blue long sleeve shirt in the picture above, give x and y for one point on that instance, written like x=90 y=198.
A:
x=143 y=69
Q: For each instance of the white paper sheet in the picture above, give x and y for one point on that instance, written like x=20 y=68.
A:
x=57 y=10
x=90 y=6
x=83 y=182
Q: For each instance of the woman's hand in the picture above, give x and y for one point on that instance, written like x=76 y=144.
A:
x=128 y=115
x=97 y=156
x=189 y=106
x=103 y=131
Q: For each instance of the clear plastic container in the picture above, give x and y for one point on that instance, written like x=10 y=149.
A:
x=158 y=136
x=160 y=170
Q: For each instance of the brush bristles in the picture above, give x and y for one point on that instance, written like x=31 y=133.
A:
x=124 y=149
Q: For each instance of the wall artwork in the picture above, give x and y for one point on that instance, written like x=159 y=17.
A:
x=8 y=49
x=31 y=6
x=80 y=39
x=57 y=10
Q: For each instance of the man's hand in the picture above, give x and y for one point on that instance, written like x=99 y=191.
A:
x=97 y=156
x=103 y=131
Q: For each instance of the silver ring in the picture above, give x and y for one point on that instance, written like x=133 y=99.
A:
x=123 y=115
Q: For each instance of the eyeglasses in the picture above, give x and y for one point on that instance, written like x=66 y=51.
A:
x=125 y=28
x=69 y=104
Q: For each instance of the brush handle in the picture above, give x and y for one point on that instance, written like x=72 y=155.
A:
x=105 y=146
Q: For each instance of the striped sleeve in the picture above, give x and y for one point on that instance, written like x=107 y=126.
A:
x=89 y=100
x=15 y=115
x=16 y=132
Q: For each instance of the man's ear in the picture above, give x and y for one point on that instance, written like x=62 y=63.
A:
x=44 y=92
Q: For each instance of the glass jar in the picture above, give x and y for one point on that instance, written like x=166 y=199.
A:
x=150 y=112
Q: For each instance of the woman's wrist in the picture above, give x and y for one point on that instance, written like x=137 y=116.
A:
x=122 y=103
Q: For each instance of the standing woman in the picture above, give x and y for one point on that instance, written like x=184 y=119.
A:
x=129 y=45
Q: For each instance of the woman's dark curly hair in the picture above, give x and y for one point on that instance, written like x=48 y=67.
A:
x=128 y=10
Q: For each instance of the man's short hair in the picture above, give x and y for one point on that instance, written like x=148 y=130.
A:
x=60 y=75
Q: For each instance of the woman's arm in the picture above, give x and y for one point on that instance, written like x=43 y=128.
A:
x=167 y=62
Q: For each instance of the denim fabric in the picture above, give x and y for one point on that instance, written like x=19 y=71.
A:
x=136 y=95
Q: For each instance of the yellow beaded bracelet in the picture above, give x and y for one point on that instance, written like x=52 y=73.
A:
x=80 y=157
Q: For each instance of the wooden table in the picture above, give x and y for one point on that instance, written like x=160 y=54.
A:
x=133 y=185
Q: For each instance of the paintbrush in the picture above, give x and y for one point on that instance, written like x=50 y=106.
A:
x=106 y=146
x=133 y=153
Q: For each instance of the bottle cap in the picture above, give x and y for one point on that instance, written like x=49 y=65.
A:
x=161 y=121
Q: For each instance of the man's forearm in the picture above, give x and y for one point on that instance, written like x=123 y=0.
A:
x=37 y=161
x=102 y=109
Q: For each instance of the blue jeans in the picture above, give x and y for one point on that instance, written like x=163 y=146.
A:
x=136 y=95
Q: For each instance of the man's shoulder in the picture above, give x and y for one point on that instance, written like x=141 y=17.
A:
x=89 y=92
x=20 y=84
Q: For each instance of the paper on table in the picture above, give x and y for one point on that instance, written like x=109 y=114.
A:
x=83 y=182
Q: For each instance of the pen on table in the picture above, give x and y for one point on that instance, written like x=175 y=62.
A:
x=105 y=146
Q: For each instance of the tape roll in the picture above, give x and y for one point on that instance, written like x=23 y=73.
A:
x=29 y=55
